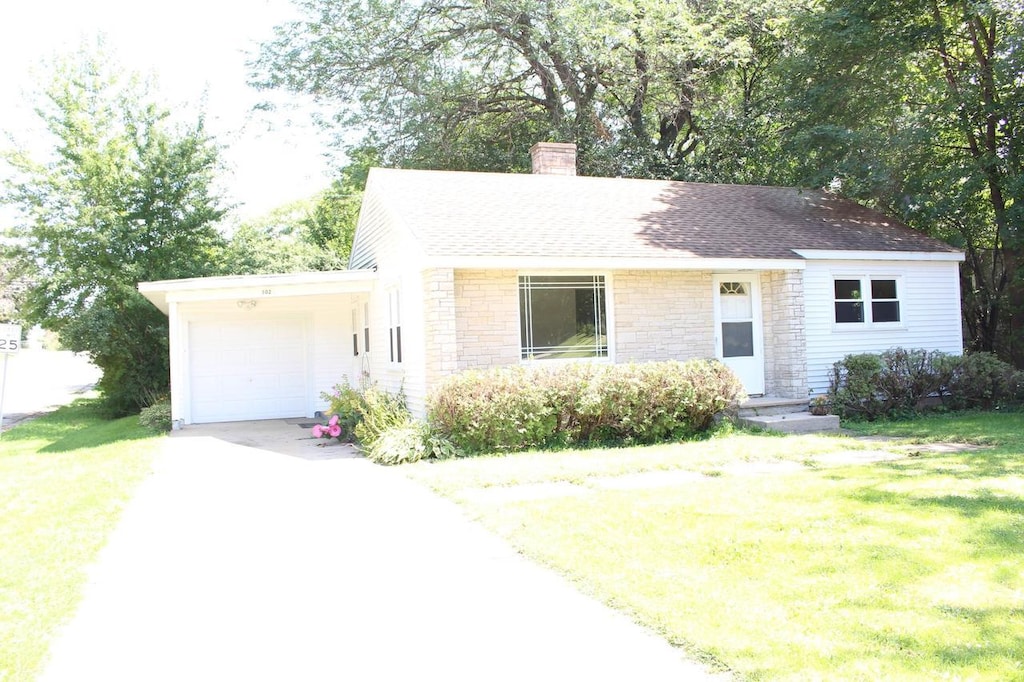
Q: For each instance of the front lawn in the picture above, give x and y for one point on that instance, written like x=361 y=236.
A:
x=64 y=479
x=779 y=558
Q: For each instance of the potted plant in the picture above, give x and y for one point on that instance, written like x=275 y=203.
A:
x=820 y=406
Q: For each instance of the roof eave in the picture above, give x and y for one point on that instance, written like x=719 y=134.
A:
x=609 y=263
x=163 y=293
x=843 y=254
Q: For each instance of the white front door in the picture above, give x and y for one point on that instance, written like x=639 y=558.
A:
x=738 y=337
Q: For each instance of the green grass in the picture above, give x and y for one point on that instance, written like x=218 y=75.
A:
x=910 y=569
x=64 y=479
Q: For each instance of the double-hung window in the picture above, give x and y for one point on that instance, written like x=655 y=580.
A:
x=366 y=327
x=562 y=316
x=395 y=326
x=866 y=300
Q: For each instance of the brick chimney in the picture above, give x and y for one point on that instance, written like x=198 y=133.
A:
x=554 y=158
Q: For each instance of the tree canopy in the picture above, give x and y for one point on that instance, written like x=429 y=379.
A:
x=474 y=84
x=124 y=195
x=916 y=106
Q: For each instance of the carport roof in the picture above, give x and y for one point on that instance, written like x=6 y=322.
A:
x=163 y=292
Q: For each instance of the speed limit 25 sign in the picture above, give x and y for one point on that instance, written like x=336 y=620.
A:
x=10 y=338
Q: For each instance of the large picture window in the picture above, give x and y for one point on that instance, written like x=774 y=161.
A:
x=562 y=317
x=866 y=300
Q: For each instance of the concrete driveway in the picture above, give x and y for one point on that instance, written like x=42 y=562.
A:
x=293 y=562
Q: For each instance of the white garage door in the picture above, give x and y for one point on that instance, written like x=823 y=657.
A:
x=247 y=369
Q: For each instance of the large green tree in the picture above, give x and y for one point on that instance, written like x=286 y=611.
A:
x=472 y=85
x=916 y=106
x=124 y=195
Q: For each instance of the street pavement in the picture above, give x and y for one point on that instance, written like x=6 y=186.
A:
x=37 y=381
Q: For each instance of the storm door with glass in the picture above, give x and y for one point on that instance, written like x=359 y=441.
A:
x=738 y=338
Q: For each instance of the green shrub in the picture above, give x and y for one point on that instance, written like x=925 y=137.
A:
x=516 y=408
x=409 y=442
x=397 y=444
x=382 y=425
x=347 y=404
x=157 y=416
x=898 y=382
x=979 y=380
x=908 y=377
x=872 y=386
x=504 y=408
x=380 y=412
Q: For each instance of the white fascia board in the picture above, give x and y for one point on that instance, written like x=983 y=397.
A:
x=819 y=254
x=610 y=264
x=256 y=286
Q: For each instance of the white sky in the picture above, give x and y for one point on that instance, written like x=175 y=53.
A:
x=196 y=49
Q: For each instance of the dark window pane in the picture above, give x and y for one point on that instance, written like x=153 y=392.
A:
x=883 y=288
x=849 y=312
x=366 y=339
x=847 y=289
x=355 y=344
x=555 y=323
x=562 y=317
x=398 y=343
x=737 y=339
x=391 y=341
x=885 y=311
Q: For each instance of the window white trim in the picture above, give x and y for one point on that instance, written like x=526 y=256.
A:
x=867 y=301
x=606 y=315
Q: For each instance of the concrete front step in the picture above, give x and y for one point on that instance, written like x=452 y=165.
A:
x=766 y=406
x=793 y=422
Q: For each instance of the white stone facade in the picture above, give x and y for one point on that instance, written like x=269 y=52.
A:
x=471 y=321
x=487 y=318
x=785 y=343
x=662 y=315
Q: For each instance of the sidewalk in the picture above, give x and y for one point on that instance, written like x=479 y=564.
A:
x=234 y=563
x=40 y=380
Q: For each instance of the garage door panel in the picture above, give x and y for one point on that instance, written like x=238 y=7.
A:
x=247 y=369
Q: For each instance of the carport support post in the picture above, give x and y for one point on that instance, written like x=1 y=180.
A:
x=3 y=390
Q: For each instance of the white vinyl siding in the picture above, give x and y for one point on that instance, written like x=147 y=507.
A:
x=929 y=310
x=373 y=231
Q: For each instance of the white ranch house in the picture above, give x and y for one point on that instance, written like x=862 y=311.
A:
x=452 y=271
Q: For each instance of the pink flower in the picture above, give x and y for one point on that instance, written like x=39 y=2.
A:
x=334 y=430
x=334 y=420
x=318 y=431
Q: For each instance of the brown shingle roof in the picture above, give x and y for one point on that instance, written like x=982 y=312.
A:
x=497 y=214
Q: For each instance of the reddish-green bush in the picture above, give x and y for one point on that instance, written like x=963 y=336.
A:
x=514 y=408
x=500 y=409
x=898 y=382
x=979 y=380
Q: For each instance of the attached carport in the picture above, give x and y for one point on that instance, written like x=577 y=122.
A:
x=261 y=346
